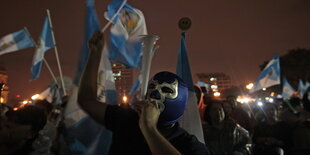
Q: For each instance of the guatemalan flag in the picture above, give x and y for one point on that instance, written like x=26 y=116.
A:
x=45 y=43
x=270 y=76
x=15 y=41
x=85 y=135
x=301 y=88
x=288 y=90
x=124 y=43
x=191 y=120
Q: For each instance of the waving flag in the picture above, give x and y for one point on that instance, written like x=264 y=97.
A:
x=124 y=42
x=270 y=76
x=191 y=120
x=301 y=88
x=45 y=43
x=85 y=135
x=92 y=25
x=288 y=90
x=15 y=41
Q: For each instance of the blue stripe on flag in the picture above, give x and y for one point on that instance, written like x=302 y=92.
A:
x=183 y=67
x=126 y=52
x=46 y=35
x=113 y=7
x=36 y=70
x=83 y=134
x=111 y=97
x=91 y=25
x=23 y=39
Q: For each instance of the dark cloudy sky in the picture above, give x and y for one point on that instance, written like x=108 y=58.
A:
x=230 y=36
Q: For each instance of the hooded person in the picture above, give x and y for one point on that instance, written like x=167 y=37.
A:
x=149 y=126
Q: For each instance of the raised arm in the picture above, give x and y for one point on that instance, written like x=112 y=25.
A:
x=158 y=144
x=87 y=96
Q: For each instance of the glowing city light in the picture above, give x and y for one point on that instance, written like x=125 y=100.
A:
x=125 y=99
x=216 y=94
x=34 y=97
x=271 y=100
x=245 y=99
x=260 y=103
x=249 y=86
x=214 y=86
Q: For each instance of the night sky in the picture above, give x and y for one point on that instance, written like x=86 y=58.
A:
x=233 y=37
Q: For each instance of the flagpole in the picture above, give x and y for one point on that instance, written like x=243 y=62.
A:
x=50 y=70
x=56 y=53
x=117 y=12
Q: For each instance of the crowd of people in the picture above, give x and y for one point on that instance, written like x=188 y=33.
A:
x=150 y=126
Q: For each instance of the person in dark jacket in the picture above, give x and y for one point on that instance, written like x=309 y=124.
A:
x=224 y=136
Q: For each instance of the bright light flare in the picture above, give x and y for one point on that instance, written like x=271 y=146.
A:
x=214 y=86
x=249 y=86
x=244 y=99
x=125 y=99
x=271 y=100
x=260 y=103
x=25 y=102
x=217 y=94
x=34 y=97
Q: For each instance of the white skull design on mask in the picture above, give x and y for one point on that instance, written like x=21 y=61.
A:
x=160 y=92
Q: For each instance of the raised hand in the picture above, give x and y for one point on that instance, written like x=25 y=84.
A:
x=95 y=43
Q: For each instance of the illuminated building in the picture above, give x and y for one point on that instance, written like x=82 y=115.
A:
x=123 y=80
x=5 y=88
x=217 y=81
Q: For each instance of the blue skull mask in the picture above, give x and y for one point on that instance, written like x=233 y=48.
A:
x=170 y=92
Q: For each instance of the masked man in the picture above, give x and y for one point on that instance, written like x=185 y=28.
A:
x=150 y=126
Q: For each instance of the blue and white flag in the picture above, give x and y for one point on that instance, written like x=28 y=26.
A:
x=45 y=43
x=91 y=25
x=124 y=43
x=15 y=41
x=270 y=76
x=191 y=119
x=85 y=135
x=301 y=88
x=288 y=90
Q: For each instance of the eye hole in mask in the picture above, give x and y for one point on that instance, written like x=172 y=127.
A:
x=167 y=90
x=151 y=86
